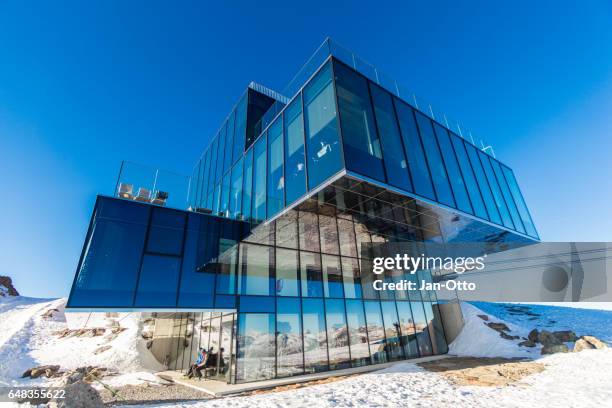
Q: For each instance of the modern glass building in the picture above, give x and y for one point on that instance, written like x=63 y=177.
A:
x=262 y=257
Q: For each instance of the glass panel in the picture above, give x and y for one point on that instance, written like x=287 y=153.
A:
x=348 y=246
x=158 y=283
x=226 y=347
x=215 y=334
x=213 y=170
x=287 y=230
x=310 y=270
x=482 y=183
x=255 y=357
x=393 y=149
x=421 y=328
x=225 y=196
x=287 y=272
x=235 y=206
x=332 y=276
x=295 y=169
x=357 y=332
x=289 y=349
x=221 y=153
x=392 y=325
x=329 y=234
x=166 y=232
x=228 y=258
x=323 y=147
x=362 y=150
x=362 y=236
x=434 y=159
x=309 y=231
x=257 y=304
x=276 y=180
x=497 y=194
x=520 y=202
x=468 y=176
x=256 y=275
x=247 y=187
x=240 y=127
x=409 y=341
x=499 y=175
x=337 y=338
x=421 y=179
x=376 y=332
x=229 y=139
x=259 y=180
x=315 y=336
x=352 y=277
x=452 y=168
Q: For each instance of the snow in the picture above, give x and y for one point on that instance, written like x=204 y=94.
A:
x=28 y=340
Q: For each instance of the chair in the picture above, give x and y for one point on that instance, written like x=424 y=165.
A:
x=144 y=195
x=160 y=198
x=125 y=191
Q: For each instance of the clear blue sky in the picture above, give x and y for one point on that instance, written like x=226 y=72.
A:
x=86 y=84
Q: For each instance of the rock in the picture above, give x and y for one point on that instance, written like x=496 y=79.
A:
x=527 y=343
x=498 y=326
x=534 y=336
x=588 y=343
x=548 y=339
x=49 y=313
x=503 y=335
x=484 y=317
x=102 y=349
x=554 y=348
x=48 y=371
x=79 y=395
x=565 y=336
x=6 y=287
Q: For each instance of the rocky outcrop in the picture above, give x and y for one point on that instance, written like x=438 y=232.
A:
x=484 y=317
x=78 y=394
x=589 y=343
x=6 y=287
x=92 y=332
x=527 y=343
x=554 y=348
x=534 y=336
x=565 y=336
x=48 y=371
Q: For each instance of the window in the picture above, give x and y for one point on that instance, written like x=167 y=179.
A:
x=497 y=194
x=227 y=263
x=421 y=328
x=392 y=146
x=309 y=231
x=453 y=170
x=329 y=234
x=310 y=270
x=322 y=144
x=290 y=360
x=434 y=159
x=315 y=336
x=295 y=167
x=157 y=286
x=468 y=176
x=499 y=175
x=392 y=325
x=221 y=155
x=348 y=247
x=229 y=141
x=352 y=277
x=212 y=174
x=276 y=179
x=255 y=356
x=166 y=232
x=485 y=190
x=225 y=195
x=362 y=150
x=421 y=179
x=287 y=230
x=520 y=202
x=357 y=333
x=409 y=342
x=259 y=180
x=376 y=332
x=235 y=204
x=256 y=275
x=337 y=338
x=247 y=187
x=332 y=276
x=287 y=283
x=240 y=127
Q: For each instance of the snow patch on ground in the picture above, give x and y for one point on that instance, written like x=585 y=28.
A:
x=27 y=340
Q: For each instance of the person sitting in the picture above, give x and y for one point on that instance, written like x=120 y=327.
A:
x=211 y=362
x=221 y=361
x=193 y=369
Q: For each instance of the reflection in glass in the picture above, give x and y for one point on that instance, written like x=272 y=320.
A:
x=499 y=175
x=485 y=190
x=247 y=187
x=422 y=329
x=329 y=234
x=295 y=160
x=337 y=337
x=323 y=147
x=332 y=276
x=287 y=230
x=409 y=341
x=352 y=278
x=276 y=180
x=497 y=194
x=468 y=176
x=520 y=202
x=310 y=270
x=376 y=332
x=309 y=231
x=287 y=272
x=315 y=336
x=358 y=333
x=259 y=180
x=256 y=274
x=392 y=330
x=255 y=347
x=235 y=206
x=289 y=349
x=346 y=234
x=158 y=281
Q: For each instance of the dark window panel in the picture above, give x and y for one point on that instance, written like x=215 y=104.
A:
x=483 y=184
x=468 y=175
x=158 y=282
x=276 y=179
x=520 y=202
x=497 y=194
x=247 y=188
x=259 y=180
x=499 y=175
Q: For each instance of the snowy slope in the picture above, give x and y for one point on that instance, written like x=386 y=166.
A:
x=27 y=340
